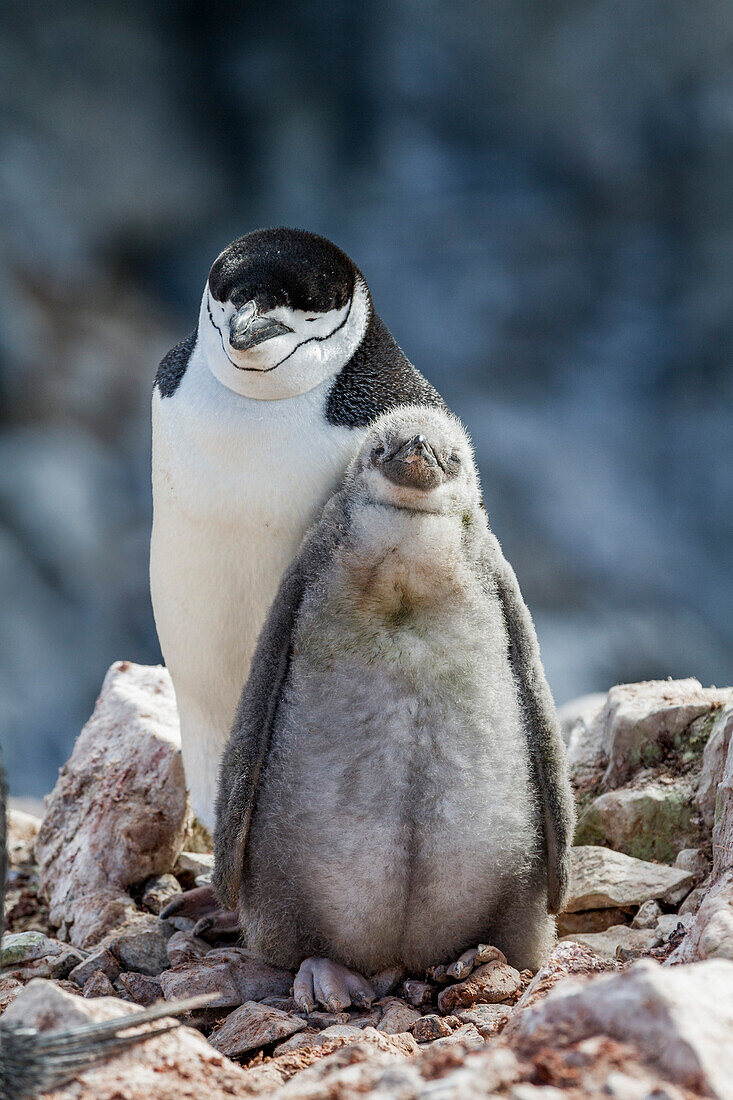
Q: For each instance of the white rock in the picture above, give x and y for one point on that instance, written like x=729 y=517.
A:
x=601 y=878
x=119 y=811
x=679 y=1018
x=22 y=830
x=253 y=1026
x=723 y=831
x=606 y=944
x=694 y=860
x=178 y=1064
x=650 y=820
x=713 y=765
x=568 y=959
x=711 y=932
x=586 y=754
x=585 y=708
x=636 y=715
x=194 y=863
x=647 y=916
x=466 y=1035
x=669 y=922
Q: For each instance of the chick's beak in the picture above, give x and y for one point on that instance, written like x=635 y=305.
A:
x=248 y=328
x=416 y=449
x=414 y=465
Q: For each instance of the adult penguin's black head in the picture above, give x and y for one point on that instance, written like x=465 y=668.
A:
x=283 y=310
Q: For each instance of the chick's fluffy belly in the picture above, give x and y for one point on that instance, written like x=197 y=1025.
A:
x=396 y=803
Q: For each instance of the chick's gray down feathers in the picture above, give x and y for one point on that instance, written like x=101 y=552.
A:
x=494 y=587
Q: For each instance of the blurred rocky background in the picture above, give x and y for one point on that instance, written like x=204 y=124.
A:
x=540 y=197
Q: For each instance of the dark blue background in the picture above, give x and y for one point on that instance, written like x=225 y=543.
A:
x=540 y=198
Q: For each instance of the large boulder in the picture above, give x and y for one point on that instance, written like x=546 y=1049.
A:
x=652 y=821
x=179 y=1065
x=638 y=726
x=119 y=811
x=601 y=878
x=680 y=1019
x=713 y=766
x=711 y=933
x=644 y=721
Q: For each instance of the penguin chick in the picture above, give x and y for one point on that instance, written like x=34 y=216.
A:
x=394 y=788
x=256 y=417
x=34 y=1062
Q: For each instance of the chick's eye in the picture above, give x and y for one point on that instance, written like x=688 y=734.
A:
x=454 y=458
x=311 y=318
x=377 y=452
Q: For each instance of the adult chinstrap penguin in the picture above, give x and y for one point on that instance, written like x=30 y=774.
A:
x=255 y=418
x=394 y=789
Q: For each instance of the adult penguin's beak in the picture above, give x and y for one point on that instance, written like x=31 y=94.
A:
x=248 y=328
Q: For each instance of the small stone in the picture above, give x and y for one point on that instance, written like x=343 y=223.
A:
x=670 y=922
x=607 y=944
x=493 y=982
x=692 y=902
x=27 y=955
x=185 y=947
x=158 y=891
x=142 y=988
x=322 y=1020
x=429 y=1028
x=101 y=959
x=341 y=1031
x=367 y=1019
x=694 y=860
x=309 y=1037
x=592 y=920
x=648 y=915
x=438 y=974
x=23 y=947
x=98 y=985
x=397 y=1016
x=194 y=864
x=486 y=952
x=417 y=993
x=251 y=1027
x=601 y=878
x=231 y=972
x=285 y=1004
x=386 y=981
x=467 y=1035
x=141 y=945
x=488 y=1019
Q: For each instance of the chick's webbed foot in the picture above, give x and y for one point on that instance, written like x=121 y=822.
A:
x=320 y=981
x=203 y=906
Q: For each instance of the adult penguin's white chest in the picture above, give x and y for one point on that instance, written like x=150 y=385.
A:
x=236 y=483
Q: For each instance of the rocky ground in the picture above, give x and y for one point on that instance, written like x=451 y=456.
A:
x=635 y=1001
